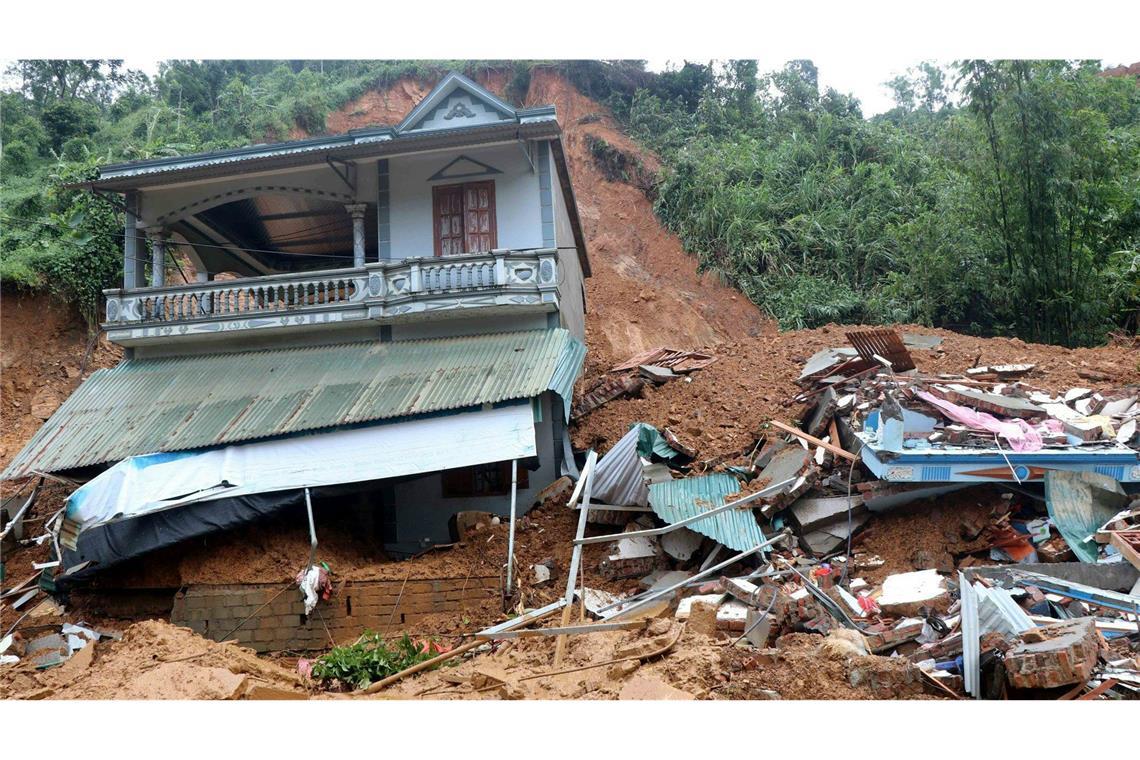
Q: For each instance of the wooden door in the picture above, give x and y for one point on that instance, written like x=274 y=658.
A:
x=448 y=220
x=464 y=218
x=479 y=215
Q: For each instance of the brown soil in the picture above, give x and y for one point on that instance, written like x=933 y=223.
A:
x=804 y=670
x=154 y=660
x=722 y=408
x=43 y=345
x=698 y=665
x=928 y=534
x=644 y=293
x=273 y=552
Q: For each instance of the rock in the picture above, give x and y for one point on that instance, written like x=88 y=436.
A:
x=642 y=647
x=259 y=692
x=843 y=642
x=622 y=670
x=644 y=686
x=702 y=618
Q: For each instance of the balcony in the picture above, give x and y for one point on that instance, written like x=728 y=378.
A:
x=385 y=292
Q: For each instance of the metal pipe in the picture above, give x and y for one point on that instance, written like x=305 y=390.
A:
x=576 y=557
x=688 y=520
x=511 y=532
x=312 y=530
x=785 y=533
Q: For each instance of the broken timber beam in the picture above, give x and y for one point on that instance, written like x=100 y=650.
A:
x=814 y=441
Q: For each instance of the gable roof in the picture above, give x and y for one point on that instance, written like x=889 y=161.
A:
x=455 y=92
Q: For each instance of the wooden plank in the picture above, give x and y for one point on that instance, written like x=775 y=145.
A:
x=1126 y=542
x=1100 y=689
x=814 y=441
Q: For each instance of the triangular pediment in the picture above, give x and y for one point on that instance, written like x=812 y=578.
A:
x=464 y=166
x=456 y=102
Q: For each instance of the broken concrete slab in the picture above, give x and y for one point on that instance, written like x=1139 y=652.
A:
x=1054 y=655
x=994 y=403
x=685 y=606
x=788 y=463
x=904 y=594
x=821 y=416
x=656 y=374
x=681 y=544
x=732 y=616
x=1113 y=576
x=660 y=579
x=810 y=512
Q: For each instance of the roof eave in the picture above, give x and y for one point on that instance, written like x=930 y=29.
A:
x=360 y=144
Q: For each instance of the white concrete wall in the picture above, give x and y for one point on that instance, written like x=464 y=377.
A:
x=517 y=209
x=423 y=513
x=571 y=293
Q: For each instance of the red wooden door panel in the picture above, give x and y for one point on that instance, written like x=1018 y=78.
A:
x=448 y=220
x=465 y=218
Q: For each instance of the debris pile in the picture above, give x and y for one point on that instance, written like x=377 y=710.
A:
x=773 y=541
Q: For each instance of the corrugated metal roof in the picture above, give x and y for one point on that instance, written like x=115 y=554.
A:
x=675 y=500
x=192 y=402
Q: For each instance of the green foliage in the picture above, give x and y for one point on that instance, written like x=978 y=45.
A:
x=1019 y=214
x=369 y=659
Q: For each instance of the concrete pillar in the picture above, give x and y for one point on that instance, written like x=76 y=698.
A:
x=157 y=237
x=357 y=211
x=133 y=270
x=206 y=300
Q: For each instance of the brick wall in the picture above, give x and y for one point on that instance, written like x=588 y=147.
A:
x=279 y=622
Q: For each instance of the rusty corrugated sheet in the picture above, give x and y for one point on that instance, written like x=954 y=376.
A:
x=675 y=500
x=192 y=402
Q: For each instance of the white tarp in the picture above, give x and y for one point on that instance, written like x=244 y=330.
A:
x=153 y=482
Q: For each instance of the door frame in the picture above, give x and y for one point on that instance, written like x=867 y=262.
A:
x=462 y=187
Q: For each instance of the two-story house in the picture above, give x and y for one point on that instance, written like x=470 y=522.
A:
x=393 y=315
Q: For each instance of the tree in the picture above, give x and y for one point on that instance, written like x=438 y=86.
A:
x=90 y=79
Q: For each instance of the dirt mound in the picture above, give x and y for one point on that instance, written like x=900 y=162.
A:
x=722 y=408
x=45 y=352
x=698 y=667
x=154 y=660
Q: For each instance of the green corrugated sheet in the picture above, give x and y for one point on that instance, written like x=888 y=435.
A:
x=674 y=500
x=192 y=402
x=1079 y=503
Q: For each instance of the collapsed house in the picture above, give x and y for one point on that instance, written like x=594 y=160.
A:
x=392 y=318
x=1043 y=595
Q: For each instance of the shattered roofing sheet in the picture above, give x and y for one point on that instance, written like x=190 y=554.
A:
x=191 y=402
x=675 y=500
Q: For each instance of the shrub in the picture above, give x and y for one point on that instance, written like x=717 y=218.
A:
x=371 y=659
